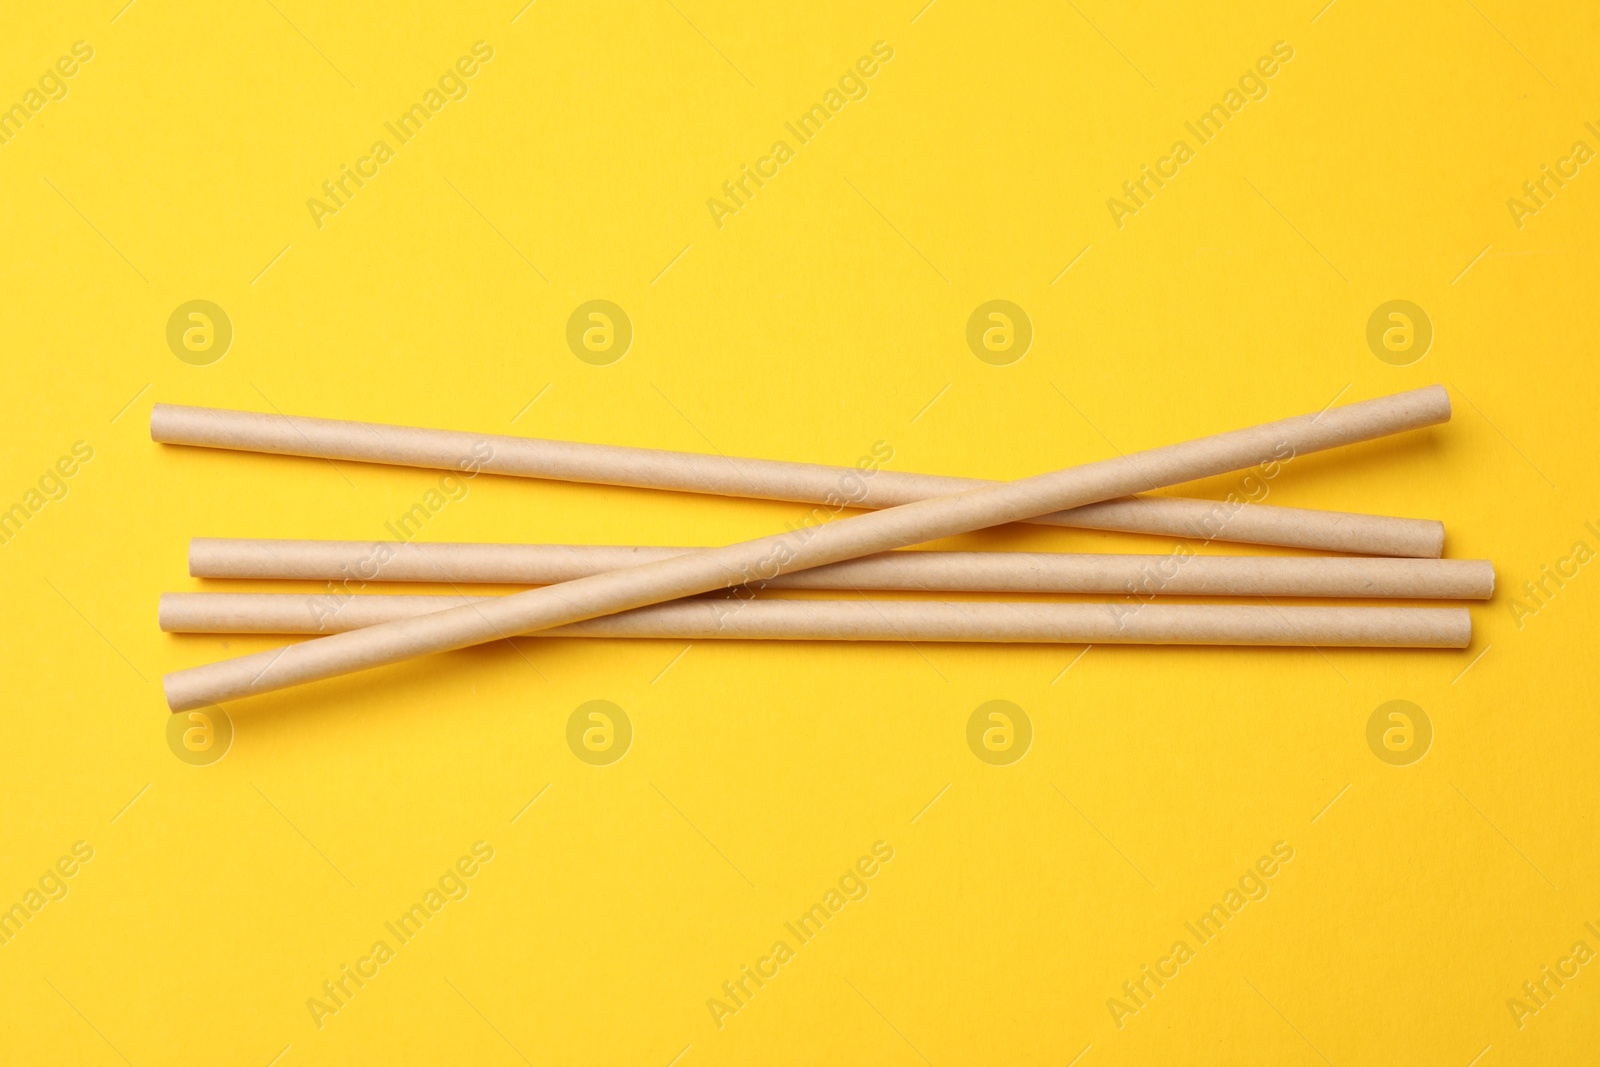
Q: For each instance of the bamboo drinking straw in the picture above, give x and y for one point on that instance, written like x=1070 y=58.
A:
x=355 y=563
x=874 y=620
x=829 y=542
x=835 y=487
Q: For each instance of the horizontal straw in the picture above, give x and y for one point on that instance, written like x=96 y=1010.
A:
x=355 y=563
x=877 y=620
x=829 y=542
x=832 y=486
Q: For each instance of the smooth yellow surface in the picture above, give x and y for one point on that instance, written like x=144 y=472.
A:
x=828 y=314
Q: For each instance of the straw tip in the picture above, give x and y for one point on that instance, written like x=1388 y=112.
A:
x=1435 y=540
x=1461 y=628
x=159 y=415
x=180 y=696
x=164 y=608
x=1443 y=396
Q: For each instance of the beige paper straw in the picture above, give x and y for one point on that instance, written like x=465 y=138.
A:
x=355 y=563
x=871 y=620
x=1259 y=524
x=832 y=486
x=830 y=542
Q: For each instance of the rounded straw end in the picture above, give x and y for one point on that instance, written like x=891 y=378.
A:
x=164 y=610
x=180 y=693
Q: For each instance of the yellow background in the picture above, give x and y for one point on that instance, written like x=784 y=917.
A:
x=823 y=317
